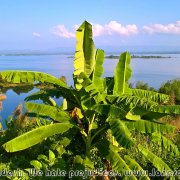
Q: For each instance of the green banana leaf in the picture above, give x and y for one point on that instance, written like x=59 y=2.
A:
x=166 y=109
x=55 y=113
x=116 y=161
x=35 y=136
x=146 y=126
x=135 y=167
x=85 y=53
x=150 y=95
x=122 y=75
x=110 y=110
x=165 y=143
x=30 y=77
x=155 y=160
x=98 y=70
x=120 y=132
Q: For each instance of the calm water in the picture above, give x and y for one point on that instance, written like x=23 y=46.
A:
x=152 y=71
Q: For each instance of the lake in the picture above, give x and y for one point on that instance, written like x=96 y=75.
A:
x=152 y=71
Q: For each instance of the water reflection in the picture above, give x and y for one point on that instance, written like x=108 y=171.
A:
x=12 y=101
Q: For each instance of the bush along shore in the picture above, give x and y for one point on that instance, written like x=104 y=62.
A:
x=103 y=127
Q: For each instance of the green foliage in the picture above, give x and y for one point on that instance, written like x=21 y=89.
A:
x=120 y=132
x=142 y=85
x=153 y=96
x=136 y=167
x=85 y=52
x=156 y=146
x=109 y=110
x=98 y=117
x=98 y=70
x=54 y=113
x=168 y=109
x=165 y=143
x=156 y=161
x=20 y=160
x=45 y=96
x=111 y=154
x=35 y=136
x=171 y=88
x=122 y=74
x=145 y=126
x=30 y=77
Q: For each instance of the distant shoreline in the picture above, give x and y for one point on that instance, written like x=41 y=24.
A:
x=71 y=56
x=139 y=57
x=34 y=54
x=135 y=57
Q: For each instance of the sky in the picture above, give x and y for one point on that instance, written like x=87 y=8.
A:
x=46 y=25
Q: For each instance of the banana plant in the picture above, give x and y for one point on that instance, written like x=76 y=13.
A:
x=102 y=112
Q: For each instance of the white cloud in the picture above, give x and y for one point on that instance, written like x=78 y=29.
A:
x=98 y=30
x=163 y=28
x=61 y=31
x=36 y=34
x=112 y=28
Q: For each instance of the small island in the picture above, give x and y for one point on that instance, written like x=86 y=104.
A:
x=134 y=57
x=140 y=57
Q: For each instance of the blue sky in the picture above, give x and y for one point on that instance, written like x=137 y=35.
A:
x=45 y=24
